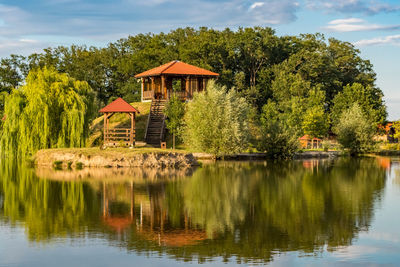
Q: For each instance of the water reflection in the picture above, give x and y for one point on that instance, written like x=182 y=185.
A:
x=241 y=209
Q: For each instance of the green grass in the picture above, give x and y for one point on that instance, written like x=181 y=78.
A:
x=120 y=120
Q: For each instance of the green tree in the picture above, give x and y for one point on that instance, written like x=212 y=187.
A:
x=354 y=131
x=396 y=126
x=50 y=110
x=175 y=110
x=315 y=122
x=277 y=139
x=369 y=99
x=216 y=121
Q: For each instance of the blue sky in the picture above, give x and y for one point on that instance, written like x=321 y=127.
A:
x=373 y=26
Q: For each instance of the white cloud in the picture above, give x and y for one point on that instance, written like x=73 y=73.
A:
x=105 y=22
x=355 y=24
x=387 y=40
x=369 y=7
x=256 y=4
x=21 y=46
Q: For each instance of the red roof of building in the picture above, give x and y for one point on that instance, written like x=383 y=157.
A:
x=119 y=105
x=178 y=68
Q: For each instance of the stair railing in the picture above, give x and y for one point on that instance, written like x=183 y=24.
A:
x=162 y=130
x=148 y=119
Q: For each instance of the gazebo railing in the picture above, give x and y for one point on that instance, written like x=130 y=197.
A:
x=148 y=95
x=181 y=94
x=117 y=135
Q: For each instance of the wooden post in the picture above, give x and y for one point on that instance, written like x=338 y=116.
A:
x=183 y=87
x=163 y=87
x=204 y=84
x=187 y=88
x=134 y=129
x=105 y=128
x=142 y=79
x=153 y=87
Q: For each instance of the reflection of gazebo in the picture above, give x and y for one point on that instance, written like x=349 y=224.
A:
x=174 y=238
x=115 y=136
x=157 y=82
x=118 y=223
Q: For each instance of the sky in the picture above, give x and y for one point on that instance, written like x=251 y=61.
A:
x=373 y=26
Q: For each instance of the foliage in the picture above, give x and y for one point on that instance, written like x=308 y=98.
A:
x=50 y=110
x=245 y=58
x=278 y=140
x=369 y=99
x=312 y=80
x=354 y=131
x=315 y=122
x=396 y=126
x=175 y=110
x=216 y=121
x=300 y=105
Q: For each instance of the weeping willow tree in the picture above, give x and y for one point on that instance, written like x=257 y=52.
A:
x=52 y=110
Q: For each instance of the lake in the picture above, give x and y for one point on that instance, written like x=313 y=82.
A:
x=305 y=213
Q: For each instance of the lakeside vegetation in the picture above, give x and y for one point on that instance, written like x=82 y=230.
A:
x=271 y=91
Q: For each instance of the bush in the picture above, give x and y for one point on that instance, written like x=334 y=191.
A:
x=277 y=140
x=354 y=132
x=216 y=121
x=174 y=111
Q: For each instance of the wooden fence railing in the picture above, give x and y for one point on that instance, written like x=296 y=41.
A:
x=117 y=135
x=148 y=94
x=181 y=94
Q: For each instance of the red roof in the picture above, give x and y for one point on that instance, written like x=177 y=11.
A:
x=178 y=68
x=119 y=105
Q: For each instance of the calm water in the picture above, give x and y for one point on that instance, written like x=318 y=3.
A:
x=343 y=212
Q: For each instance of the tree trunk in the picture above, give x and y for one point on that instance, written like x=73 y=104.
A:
x=173 y=141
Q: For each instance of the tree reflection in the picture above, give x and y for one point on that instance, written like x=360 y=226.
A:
x=241 y=209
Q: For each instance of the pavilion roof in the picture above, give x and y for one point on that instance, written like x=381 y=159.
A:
x=119 y=105
x=178 y=68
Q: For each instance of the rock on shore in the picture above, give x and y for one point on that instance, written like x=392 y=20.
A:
x=75 y=157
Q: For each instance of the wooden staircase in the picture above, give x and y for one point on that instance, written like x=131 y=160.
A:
x=155 y=129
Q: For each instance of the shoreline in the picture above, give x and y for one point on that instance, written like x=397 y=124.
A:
x=78 y=158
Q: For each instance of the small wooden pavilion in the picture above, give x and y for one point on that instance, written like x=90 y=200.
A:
x=116 y=136
x=157 y=83
x=308 y=142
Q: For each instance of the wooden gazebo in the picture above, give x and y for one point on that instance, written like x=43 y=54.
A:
x=157 y=82
x=116 y=136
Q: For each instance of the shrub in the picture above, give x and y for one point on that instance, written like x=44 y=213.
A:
x=216 y=121
x=354 y=131
x=174 y=111
x=277 y=140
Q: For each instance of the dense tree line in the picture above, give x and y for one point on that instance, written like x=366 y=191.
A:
x=306 y=82
x=250 y=59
